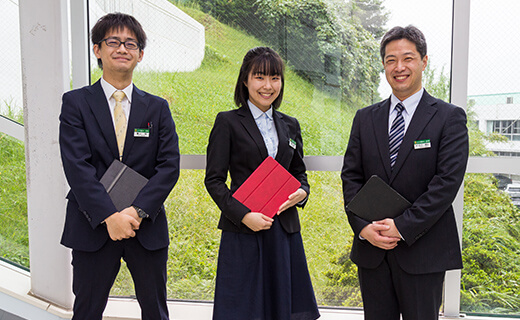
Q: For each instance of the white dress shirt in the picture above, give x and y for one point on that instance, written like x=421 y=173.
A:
x=410 y=105
x=109 y=90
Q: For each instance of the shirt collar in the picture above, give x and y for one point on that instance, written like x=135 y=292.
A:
x=109 y=90
x=410 y=103
x=257 y=113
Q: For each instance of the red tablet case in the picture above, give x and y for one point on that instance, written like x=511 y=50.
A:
x=267 y=188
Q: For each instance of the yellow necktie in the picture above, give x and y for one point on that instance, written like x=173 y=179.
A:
x=120 y=121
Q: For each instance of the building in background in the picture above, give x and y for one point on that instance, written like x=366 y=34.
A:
x=498 y=113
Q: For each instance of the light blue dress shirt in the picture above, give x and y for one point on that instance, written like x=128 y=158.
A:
x=265 y=123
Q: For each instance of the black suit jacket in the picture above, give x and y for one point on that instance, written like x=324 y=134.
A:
x=236 y=145
x=88 y=146
x=429 y=178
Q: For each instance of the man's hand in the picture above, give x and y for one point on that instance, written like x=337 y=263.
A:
x=392 y=229
x=257 y=221
x=294 y=198
x=373 y=234
x=121 y=226
x=132 y=213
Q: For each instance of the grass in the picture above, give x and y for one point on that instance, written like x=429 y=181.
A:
x=14 y=243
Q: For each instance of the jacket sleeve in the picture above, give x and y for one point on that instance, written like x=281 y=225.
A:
x=167 y=166
x=352 y=174
x=89 y=193
x=297 y=167
x=217 y=167
x=442 y=189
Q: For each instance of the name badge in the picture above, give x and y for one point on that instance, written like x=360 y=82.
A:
x=292 y=143
x=141 y=133
x=422 y=144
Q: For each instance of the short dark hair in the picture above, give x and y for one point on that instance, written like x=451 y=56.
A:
x=409 y=33
x=259 y=60
x=117 y=21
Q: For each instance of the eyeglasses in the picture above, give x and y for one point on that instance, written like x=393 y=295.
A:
x=116 y=43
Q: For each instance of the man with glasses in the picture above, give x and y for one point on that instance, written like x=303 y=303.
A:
x=113 y=119
x=418 y=145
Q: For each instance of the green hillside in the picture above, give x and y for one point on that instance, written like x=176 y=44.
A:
x=195 y=98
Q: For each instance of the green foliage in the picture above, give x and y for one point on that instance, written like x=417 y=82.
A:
x=331 y=43
x=343 y=285
x=10 y=110
x=437 y=84
x=13 y=202
x=372 y=16
x=491 y=248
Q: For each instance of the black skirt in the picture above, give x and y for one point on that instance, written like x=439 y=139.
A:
x=263 y=276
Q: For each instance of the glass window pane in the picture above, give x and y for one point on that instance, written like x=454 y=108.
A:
x=333 y=69
x=13 y=201
x=490 y=237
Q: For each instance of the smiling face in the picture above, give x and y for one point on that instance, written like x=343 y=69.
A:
x=403 y=68
x=118 y=62
x=263 y=89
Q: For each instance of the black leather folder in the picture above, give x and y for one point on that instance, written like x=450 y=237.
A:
x=376 y=200
x=123 y=184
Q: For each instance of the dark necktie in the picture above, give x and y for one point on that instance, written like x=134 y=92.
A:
x=396 y=133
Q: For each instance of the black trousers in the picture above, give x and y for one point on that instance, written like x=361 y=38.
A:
x=388 y=292
x=94 y=274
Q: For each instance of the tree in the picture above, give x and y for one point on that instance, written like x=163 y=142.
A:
x=437 y=84
x=331 y=43
x=372 y=16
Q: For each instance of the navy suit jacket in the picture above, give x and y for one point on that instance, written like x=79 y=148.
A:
x=236 y=145
x=88 y=146
x=428 y=177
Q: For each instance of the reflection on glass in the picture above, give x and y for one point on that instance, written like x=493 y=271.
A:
x=491 y=237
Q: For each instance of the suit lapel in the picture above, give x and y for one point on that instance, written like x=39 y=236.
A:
x=283 y=135
x=137 y=114
x=99 y=106
x=422 y=115
x=250 y=125
x=380 y=123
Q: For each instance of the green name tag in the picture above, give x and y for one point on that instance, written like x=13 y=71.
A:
x=422 y=144
x=141 y=133
x=292 y=143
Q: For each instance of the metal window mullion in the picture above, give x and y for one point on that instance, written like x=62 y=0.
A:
x=458 y=95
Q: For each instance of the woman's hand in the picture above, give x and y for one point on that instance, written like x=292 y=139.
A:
x=294 y=198
x=257 y=221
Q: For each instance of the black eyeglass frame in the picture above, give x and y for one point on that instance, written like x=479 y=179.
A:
x=121 y=42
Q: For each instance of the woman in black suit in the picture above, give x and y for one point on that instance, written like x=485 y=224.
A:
x=262 y=271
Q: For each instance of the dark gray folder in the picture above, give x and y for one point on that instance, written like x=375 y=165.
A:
x=123 y=184
x=376 y=200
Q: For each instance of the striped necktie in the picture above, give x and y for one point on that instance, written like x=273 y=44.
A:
x=120 y=122
x=396 y=133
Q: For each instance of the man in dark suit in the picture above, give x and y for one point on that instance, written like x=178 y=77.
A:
x=419 y=145
x=113 y=119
